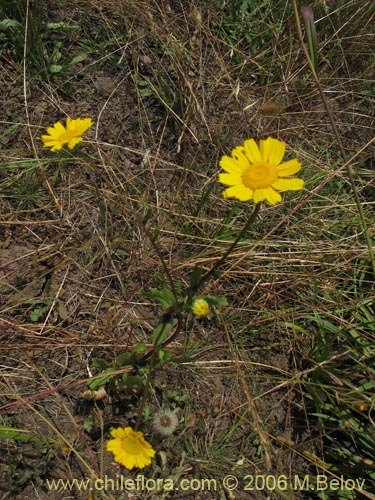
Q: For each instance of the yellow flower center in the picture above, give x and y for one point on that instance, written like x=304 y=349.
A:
x=130 y=445
x=259 y=175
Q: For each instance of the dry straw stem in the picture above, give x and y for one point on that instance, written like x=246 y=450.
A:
x=94 y=474
x=338 y=139
x=11 y=407
x=316 y=462
x=73 y=421
x=118 y=192
x=256 y=421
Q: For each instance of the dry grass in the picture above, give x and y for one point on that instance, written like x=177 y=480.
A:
x=281 y=382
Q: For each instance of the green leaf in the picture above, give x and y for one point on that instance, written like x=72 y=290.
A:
x=215 y=301
x=61 y=25
x=140 y=347
x=148 y=213
x=99 y=382
x=9 y=23
x=160 y=332
x=165 y=297
x=146 y=413
x=37 y=313
x=56 y=68
x=78 y=58
x=195 y=278
x=165 y=356
x=125 y=359
x=100 y=364
x=312 y=39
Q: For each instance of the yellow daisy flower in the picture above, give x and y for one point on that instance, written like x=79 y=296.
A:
x=129 y=448
x=200 y=307
x=70 y=135
x=256 y=173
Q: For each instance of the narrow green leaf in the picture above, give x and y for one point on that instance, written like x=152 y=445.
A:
x=312 y=39
x=195 y=278
x=17 y=434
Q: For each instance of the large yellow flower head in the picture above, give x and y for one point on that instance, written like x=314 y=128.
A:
x=70 y=135
x=256 y=172
x=129 y=448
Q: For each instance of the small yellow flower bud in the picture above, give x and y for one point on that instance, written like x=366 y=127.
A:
x=200 y=307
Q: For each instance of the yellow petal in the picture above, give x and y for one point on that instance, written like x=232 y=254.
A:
x=56 y=130
x=288 y=184
x=80 y=125
x=48 y=140
x=230 y=165
x=118 y=433
x=113 y=444
x=264 y=147
x=290 y=167
x=239 y=154
x=87 y=123
x=276 y=152
x=272 y=196
x=127 y=461
x=240 y=192
x=70 y=123
x=272 y=150
x=259 y=195
x=142 y=461
x=230 y=179
x=73 y=142
x=252 y=151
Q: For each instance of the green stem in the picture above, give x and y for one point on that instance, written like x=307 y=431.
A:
x=159 y=254
x=217 y=264
x=152 y=355
x=169 y=314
